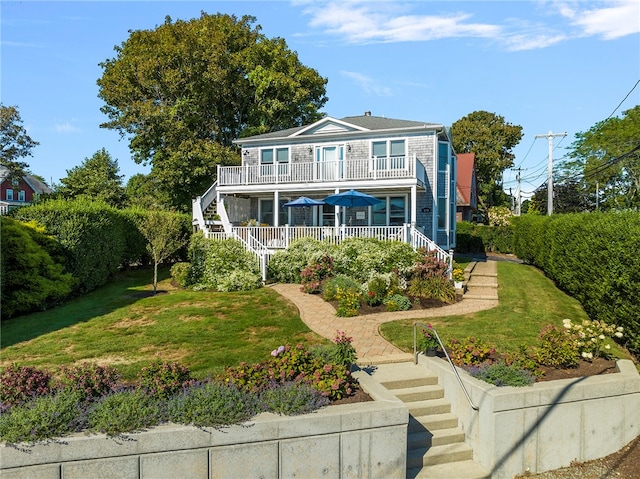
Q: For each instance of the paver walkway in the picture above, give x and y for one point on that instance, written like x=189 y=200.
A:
x=371 y=348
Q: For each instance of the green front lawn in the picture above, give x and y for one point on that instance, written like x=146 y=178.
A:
x=124 y=325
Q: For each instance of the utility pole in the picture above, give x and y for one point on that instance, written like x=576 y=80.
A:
x=518 y=191
x=550 y=136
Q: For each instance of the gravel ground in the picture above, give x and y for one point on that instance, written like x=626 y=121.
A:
x=624 y=464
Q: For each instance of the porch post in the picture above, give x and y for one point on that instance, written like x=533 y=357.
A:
x=414 y=205
x=276 y=208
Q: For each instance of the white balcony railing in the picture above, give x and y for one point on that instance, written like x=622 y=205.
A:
x=310 y=171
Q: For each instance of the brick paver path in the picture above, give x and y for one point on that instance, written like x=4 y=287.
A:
x=321 y=317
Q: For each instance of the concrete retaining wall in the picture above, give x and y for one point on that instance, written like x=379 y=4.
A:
x=363 y=440
x=547 y=425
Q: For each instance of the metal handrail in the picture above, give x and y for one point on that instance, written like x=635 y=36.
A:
x=455 y=371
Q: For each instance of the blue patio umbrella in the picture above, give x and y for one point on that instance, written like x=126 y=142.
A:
x=351 y=198
x=302 y=202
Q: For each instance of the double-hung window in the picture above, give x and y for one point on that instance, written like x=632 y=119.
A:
x=21 y=195
x=274 y=160
x=389 y=154
x=9 y=194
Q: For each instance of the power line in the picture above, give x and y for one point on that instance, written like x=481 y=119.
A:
x=623 y=100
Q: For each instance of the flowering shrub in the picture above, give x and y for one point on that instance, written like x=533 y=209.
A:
x=591 y=336
x=19 y=384
x=559 y=347
x=56 y=414
x=429 y=266
x=500 y=216
x=502 y=374
x=340 y=281
x=292 y=398
x=162 y=379
x=397 y=302
x=292 y=364
x=125 y=411
x=345 y=353
x=379 y=286
x=90 y=380
x=470 y=351
x=285 y=266
x=348 y=302
x=226 y=258
x=315 y=272
x=427 y=339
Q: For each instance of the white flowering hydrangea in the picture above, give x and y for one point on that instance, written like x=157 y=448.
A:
x=592 y=335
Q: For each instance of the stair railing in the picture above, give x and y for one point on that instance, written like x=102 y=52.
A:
x=455 y=370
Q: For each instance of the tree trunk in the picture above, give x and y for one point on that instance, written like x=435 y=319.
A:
x=155 y=277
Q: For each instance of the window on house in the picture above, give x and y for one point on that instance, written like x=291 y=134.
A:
x=267 y=213
x=389 y=154
x=442 y=212
x=21 y=195
x=266 y=157
x=391 y=211
x=9 y=194
x=443 y=156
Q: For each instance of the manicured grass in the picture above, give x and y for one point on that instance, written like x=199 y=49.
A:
x=528 y=301
x=124 y=325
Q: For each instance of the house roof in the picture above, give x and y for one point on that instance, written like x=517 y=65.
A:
x=36 y=185
x=346 y=125
x=465 y=179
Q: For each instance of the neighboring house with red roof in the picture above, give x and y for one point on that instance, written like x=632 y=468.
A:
x=466 y=187
x=16 y=192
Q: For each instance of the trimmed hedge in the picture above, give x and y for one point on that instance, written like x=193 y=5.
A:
x=91 y=233
x=592 y=256
x=477 y=238
x=96 y=239
x=32 y=275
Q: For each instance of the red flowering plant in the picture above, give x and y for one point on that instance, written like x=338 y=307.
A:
x=428 y=339
x=315 y=272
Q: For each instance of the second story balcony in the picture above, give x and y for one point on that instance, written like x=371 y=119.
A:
x=398 y=167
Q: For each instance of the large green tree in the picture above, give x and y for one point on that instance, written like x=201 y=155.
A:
x=183 y=91
x=606 y=160
x=96 y=178
x=492 y=140
x=15 y=143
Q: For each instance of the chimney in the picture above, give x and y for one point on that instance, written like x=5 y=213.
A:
x=367 y=113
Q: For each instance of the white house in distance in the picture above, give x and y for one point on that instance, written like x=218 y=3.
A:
x=409 y=165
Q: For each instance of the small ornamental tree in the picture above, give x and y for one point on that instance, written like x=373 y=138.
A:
x=163 y=233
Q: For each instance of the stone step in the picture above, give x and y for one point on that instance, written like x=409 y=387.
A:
x=482 y=291
x=422 y=393
x=432 y=422
x=454 y=470
x=429 y=407
x=438 y=455
x=410 y=383
x=438 y=437
x=483 y=281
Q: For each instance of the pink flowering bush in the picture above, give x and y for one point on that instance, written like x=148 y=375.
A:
x=292 y=364
x=315 y=272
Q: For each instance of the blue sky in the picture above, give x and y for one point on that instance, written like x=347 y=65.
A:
x=546 y=65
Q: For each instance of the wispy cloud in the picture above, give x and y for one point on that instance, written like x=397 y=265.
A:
x=363 y=22
x=612 y=19
x=368 y=84
x=384 y=22
x=66 y=127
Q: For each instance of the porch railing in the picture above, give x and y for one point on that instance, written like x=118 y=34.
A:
x=318 y=171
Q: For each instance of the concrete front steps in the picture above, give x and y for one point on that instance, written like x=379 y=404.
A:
x=436 y=446
x=482 y=282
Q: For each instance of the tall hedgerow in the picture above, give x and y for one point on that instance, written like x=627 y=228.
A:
x=592 y=256
x=32 y=274
x=91 y=234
